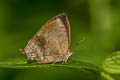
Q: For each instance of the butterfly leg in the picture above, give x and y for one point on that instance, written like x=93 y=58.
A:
x=65 y=60
x=54 y=62
x=66 y=57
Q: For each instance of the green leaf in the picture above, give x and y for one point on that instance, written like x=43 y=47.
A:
x=112 y=63
x=107 y=76
x=21 y=63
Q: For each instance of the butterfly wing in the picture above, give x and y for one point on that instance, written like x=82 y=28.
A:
x=51 y=41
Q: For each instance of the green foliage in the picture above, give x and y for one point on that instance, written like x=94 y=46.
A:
x=107 y=76
x=112 y=63
x=21 y=63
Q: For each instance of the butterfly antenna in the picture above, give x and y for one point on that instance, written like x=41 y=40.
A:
x=78 y=43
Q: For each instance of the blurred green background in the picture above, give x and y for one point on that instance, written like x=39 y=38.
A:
x=96 y=20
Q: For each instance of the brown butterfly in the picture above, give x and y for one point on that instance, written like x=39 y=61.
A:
x=51 y=43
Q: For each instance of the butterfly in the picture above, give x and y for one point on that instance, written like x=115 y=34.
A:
x=51 y=43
